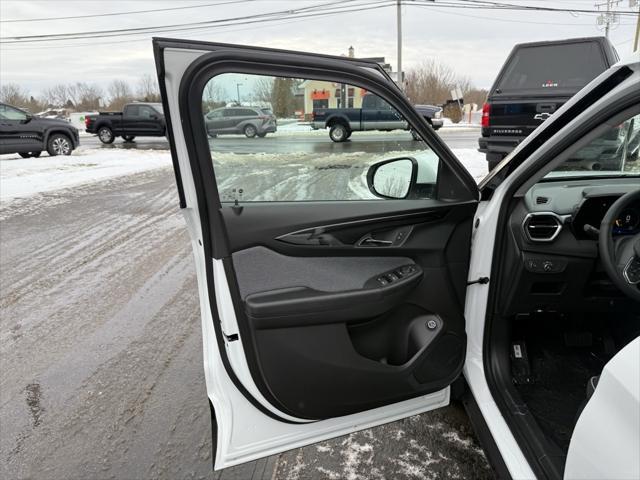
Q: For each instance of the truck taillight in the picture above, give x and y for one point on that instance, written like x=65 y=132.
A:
x=486 y=111
x=87 y=121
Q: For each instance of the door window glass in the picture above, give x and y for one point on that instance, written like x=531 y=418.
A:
x=313 y=150
x=10 y=113
x=132 y=110
x=146 y=112
x=613 y=152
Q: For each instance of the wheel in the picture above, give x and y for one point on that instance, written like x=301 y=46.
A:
x=30 y=154
x=128 y=138
x=338 y=132
x=59 y=144
x=105 y=134
x=262 y=135
x=250 y=131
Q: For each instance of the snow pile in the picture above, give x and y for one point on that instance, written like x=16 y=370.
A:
x=22 y=177
x=262 y=176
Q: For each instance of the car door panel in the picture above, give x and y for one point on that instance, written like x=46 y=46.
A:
x=293 y=319
x=325 y=298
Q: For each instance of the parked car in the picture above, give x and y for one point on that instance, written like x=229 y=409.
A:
x=375 y=114
x=535 y=81
x=518 y=295
x=28 y=136
x=138 y=119
x=250 y=121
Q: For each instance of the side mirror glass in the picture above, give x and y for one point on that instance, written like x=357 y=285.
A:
x=392 y=178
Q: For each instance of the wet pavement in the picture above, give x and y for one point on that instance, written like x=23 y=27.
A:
x=312 y=142
x=101 y=370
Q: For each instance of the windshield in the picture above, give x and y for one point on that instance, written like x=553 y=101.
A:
x=552 y=67
x=614 y=152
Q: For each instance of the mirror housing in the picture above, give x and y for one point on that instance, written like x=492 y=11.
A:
x=394 y=178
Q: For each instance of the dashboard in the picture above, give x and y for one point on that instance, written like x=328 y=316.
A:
x=583 y=204
x=593 y=209
x=551 y=258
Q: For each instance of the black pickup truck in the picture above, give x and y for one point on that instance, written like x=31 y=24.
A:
x=136 y=120
x=537 y=79
x=375 y=114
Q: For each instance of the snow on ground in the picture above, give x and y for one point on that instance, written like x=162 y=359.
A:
x=260 y=175
x=23 y=177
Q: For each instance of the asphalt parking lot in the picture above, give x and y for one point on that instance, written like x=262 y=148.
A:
x=101 y=357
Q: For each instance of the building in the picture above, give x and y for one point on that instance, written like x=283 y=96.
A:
x=321 y=94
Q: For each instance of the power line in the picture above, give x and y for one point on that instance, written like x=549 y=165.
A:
x=190 y=25
x=487 y=5
x=304 y=12
x=113 y=14
x=509 y=20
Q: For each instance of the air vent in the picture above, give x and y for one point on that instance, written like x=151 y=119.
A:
x=542 y=200
x=542 y=227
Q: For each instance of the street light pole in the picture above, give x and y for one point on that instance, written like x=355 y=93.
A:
x=238 y=85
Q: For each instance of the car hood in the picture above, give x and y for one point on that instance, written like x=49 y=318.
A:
x=53 y=122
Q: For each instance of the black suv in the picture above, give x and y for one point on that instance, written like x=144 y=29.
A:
x=22 y=133
x=536 y=80
x=251 y=121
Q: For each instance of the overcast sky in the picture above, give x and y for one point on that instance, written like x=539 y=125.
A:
x=475 y=43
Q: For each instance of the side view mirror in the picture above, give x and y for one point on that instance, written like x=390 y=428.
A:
x=28 y=118
x=393 y=178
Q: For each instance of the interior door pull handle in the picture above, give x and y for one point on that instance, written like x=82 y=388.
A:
x=373 y=241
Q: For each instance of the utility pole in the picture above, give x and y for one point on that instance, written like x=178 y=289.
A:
x=399 y=21
x=609 y=16
x=634 y=3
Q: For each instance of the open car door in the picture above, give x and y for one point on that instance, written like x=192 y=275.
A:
x=332 y=276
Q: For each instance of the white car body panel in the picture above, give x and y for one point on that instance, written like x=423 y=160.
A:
x=244 y=432
x=482 y=243
x=606 y=440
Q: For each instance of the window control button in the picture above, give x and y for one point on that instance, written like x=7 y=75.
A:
x=383 y=281
x=392 y=276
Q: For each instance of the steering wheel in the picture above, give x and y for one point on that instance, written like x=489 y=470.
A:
x=621 y=255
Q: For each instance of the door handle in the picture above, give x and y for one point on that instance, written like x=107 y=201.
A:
x=374 y=242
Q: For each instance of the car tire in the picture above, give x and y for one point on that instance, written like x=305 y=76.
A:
x=338 y=132
x=128 y=138
x=29 y=154
x=59 y=144
x=262 y=135
x=105 y=134
x=250 y=131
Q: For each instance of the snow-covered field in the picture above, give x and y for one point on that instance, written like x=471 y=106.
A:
x=23 y=177
x=261 y=176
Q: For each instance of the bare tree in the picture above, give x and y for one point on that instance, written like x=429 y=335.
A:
x=148 y=90
x=213 y=96
x=13 y=94
x=119 y=94
x=263 y=89
x=432 y=82
x=56 y=96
